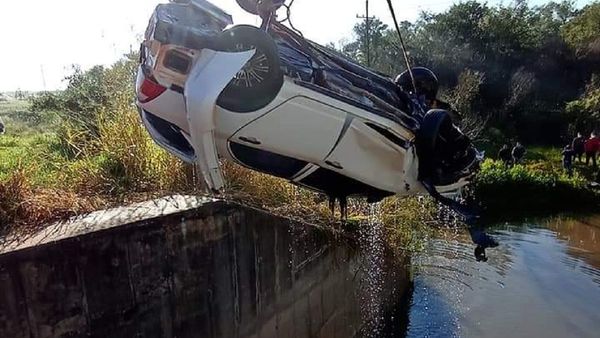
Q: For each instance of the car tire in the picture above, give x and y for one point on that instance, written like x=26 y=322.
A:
x=434 y=123
x=259 y=82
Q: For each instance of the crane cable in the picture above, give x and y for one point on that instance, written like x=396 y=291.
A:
x=404 y=53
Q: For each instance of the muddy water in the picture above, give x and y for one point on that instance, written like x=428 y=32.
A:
x=542 y=281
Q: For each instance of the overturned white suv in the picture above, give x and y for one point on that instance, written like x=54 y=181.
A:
x=274 y=102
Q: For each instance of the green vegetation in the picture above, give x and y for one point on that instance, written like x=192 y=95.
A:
x=513 y=66
x=21 y=120
x=538 y=187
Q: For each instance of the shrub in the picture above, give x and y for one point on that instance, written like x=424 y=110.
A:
x=530 y=189
x=408 y=221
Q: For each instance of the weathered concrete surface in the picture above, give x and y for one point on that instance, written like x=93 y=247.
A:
x=186 y=267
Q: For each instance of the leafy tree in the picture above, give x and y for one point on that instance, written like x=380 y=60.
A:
x=584 y=113
x=90 y=96
x=528 y=67
x=583 y=32
x=369 y=44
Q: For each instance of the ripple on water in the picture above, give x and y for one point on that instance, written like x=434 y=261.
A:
x=543 y=280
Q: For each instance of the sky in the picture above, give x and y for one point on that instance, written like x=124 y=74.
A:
x=42 y=39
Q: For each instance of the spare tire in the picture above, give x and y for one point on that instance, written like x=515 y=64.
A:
x=259 y=82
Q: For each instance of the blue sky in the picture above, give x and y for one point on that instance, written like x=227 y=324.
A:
x=43 y=38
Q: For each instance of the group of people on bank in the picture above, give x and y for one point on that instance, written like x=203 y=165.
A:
x=585 y=150
x=510 y=156
x=578 y=148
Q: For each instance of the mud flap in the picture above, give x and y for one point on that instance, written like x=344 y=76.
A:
x=210 y=75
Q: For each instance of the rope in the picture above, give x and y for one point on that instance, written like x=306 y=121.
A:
x=412 y=77
x=288 y=17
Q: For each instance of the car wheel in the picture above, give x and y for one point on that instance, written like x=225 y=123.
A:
x=259 y=82
x=435 y=123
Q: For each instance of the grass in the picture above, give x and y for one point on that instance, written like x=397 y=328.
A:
x=32 y=152
x=20 y=120
x=539 y=186
x=43 y=180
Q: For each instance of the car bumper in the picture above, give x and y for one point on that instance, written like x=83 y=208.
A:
x=168 y=136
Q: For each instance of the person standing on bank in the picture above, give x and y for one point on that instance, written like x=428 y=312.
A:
x=518 y=153
x=504 y=155
x=592 y=146
x=578 y=147
x=568 y=155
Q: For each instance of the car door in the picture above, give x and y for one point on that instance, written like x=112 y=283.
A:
x=370 y=153
x=301 y=128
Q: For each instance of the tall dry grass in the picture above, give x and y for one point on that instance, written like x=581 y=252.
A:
x=108 y=159
x=24 y=207
x=276 y=195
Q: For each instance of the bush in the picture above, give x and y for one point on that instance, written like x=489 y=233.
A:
x=25 y=207
x=531 y=189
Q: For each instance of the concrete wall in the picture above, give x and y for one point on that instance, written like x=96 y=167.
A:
x=187 y=267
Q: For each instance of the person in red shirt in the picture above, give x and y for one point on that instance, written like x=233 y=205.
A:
x=592 y=146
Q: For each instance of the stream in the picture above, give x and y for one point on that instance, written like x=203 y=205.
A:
x=542 y=281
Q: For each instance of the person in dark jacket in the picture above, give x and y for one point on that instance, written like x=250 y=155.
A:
x=578 y=147
x=567 y=159
x=2 y=128
x=504 y=155
x=518 y=153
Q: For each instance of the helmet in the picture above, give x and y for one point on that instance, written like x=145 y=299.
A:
x=425 y=80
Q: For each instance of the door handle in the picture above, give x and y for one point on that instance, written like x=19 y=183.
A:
x=250 y=140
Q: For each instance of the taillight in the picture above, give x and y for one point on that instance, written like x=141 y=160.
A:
x=149 y=90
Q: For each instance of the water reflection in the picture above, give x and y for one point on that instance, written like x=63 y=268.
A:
x=543 y=280
x=582 y=237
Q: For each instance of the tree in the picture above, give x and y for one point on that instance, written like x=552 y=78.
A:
x=531 y=57
x=466 y=98
x=375 y=35
x=582 y=32
x=584 y=113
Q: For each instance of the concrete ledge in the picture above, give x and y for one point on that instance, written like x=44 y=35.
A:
x=184 y=267
x=106 y=219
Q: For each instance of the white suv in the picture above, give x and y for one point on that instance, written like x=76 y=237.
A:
x=274 y=102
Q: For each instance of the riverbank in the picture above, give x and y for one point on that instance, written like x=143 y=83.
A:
x=42 y=181
x=54 y=166
x=539 y=186
x=50 y=176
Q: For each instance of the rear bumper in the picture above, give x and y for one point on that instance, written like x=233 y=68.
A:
x=168 y=136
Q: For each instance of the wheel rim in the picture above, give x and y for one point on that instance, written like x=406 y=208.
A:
x=254 y=71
